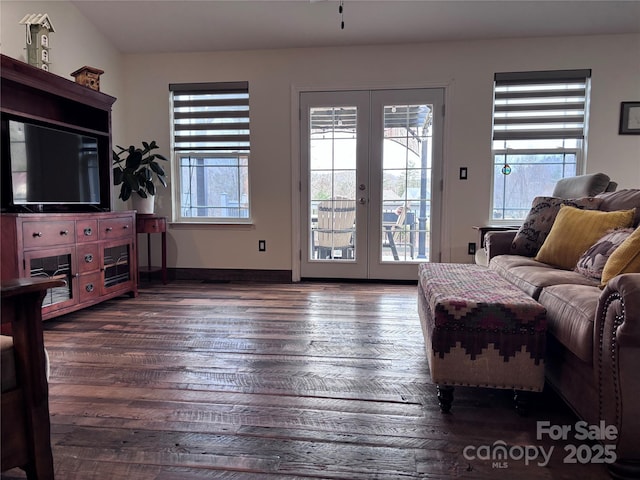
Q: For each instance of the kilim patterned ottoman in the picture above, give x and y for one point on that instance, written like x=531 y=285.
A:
x=479 y=330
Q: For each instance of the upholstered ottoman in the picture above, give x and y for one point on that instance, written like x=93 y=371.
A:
x=479 y=330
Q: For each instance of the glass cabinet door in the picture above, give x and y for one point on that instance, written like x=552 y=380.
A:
x=54 y=264
x=117 y=265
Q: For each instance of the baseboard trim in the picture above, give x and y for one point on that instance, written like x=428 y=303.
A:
x=230 y=275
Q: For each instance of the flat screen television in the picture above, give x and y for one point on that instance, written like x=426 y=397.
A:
x=48 y=166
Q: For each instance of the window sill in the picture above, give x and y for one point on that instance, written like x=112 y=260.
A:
x=206 y=225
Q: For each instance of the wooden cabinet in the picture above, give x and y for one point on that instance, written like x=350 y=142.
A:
x=94 y=253
x=32 y=95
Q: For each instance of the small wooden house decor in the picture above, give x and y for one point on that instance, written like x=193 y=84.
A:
x=39 y=30
x=88 y=77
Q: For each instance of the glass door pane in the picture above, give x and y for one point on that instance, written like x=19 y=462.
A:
x=332 y=185
x=117 y=268
x=54 y=267
x=405 y=168
x=406 y=182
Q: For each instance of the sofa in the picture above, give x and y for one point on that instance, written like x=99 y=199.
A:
x=592 y=299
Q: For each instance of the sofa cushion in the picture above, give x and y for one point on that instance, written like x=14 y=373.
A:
x=539 y=220
x=621 y=200
x=532 y=276
x=502 y=263
x=581 y=185
x=592 y=262
x=575 y=230
x=624 y=259
x=571 y=310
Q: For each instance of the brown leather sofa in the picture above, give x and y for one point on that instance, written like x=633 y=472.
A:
x=593 y=342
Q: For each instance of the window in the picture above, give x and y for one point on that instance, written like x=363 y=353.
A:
x=211 y=150
x=539 y=136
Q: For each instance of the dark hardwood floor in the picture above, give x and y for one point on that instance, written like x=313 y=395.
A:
x=194 y=381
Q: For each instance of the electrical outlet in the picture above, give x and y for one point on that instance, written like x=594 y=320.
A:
x=463 y=173
x=472 y=248
x=262 y=245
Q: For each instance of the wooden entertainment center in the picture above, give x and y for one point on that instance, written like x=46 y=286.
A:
x=92 y=248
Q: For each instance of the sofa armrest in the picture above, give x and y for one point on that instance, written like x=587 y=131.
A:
x=616 y=360
x=498 y=242
x=25 y=409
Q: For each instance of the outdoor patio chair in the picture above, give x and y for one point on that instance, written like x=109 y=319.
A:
x=335 y=230
x=397 y=235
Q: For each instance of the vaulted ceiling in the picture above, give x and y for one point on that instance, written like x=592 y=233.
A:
x=134 y=26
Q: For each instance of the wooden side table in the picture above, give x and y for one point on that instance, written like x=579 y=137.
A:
x=483 y=229
x=151 y=223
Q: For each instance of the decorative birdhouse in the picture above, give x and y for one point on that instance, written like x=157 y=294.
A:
x=39 y=30
x=88 y=77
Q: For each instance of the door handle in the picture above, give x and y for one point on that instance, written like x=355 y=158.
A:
x=362 y=200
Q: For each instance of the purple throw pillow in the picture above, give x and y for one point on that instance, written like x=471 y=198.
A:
x=592 y=262
x=538 y=223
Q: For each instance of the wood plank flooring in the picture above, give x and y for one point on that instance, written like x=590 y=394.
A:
x=194 y=381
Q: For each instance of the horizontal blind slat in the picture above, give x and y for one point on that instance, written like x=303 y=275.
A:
x=539 y=107
x=238 y=150
x=201 y=88
x=208 y=116
x=516 y=95
x=211 y=102
x=533 y=134
x=211 y=138
x=565 y=76
x=211 y=126
x=538 y=120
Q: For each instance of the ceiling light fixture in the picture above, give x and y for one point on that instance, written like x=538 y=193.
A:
x=341 y=12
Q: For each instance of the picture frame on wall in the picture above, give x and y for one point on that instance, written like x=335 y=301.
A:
x=629 y=118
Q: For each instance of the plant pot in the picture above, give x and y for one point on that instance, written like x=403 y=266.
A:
x=144 y=206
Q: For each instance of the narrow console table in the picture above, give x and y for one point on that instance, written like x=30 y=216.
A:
x=150 y=223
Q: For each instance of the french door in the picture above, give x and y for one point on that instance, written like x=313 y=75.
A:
x=371 y=167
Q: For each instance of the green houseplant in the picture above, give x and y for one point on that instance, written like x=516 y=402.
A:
x=134 y=169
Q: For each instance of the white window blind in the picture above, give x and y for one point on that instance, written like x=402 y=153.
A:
x=540 y=105
x=211 y=117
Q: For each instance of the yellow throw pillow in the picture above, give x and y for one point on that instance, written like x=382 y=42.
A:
x=624 y=259
x=575 y=230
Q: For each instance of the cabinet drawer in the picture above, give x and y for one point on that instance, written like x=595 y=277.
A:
x=86 y=231
x=45 y=234
x=89 y=286
x=116 y=228
x=87 y=256
x=151 y=225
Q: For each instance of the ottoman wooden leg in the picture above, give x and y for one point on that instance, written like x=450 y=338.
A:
x=521 y=402
x=445 y=398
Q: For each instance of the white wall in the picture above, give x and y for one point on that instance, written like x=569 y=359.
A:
x=465 y=69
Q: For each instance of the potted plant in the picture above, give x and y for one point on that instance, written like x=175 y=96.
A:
x=134 y=169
